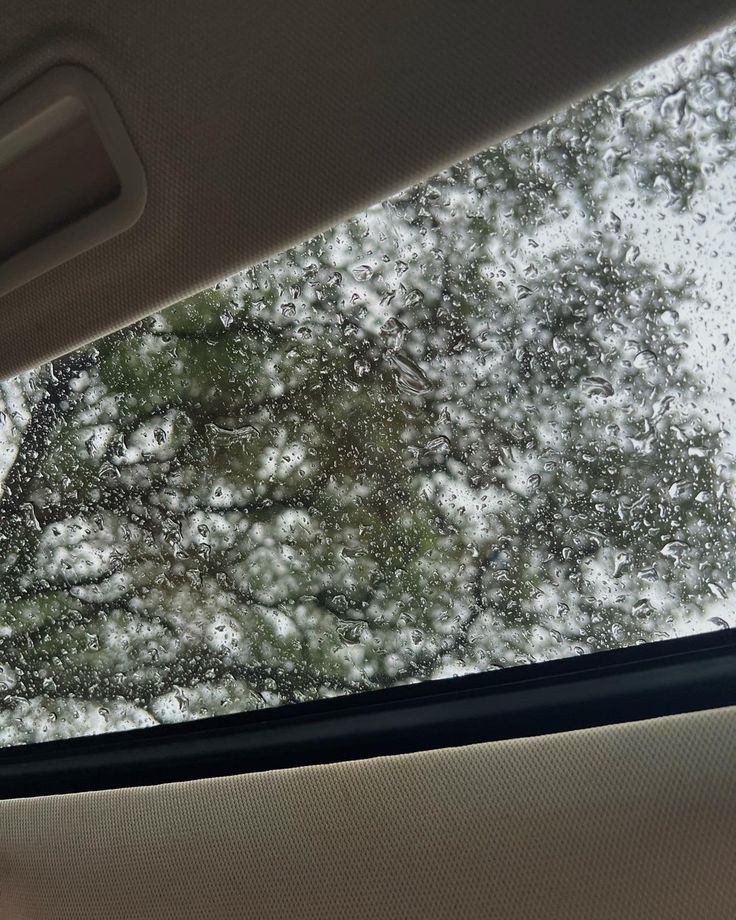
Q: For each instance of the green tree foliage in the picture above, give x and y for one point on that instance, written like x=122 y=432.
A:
x=457 y=432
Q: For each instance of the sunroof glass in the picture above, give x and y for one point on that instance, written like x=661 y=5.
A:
x=488 y=422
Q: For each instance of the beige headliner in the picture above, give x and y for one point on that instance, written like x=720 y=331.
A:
x=624 y=822
x=259 y=123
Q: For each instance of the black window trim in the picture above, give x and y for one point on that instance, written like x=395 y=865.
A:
x=662 y=678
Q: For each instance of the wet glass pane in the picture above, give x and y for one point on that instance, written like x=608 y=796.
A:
x=486 y=423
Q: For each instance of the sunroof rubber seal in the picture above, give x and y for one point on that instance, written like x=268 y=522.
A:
x=604 y=688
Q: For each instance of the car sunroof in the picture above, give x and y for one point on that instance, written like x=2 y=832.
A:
x=486 y=423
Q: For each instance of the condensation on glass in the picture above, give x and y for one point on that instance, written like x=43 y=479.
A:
x=486 y=423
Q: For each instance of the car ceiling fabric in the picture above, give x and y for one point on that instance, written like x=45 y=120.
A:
x=634 y=820
x=259 y=124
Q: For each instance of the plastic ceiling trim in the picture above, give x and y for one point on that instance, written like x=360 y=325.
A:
x=30 y=112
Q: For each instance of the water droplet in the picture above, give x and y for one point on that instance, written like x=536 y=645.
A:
x=181 y=698
x=645 y=360
x=288 y=309
x=362 y=272
x=108 y=472
x=670 y=317
x=29 y=514
x=622 y=564
x=719 y=622
x=642 y=608
x=340 y=603
x=242 y=433
x=409 y=377
x=717 y=590
x=439 y=444
x=350 y=630
x=680 y=488
x=534 y=481
x=414 y=298
x=598 y=386
x=674 y=549
x=672 y=108
x=611 y=159
x=393 y=333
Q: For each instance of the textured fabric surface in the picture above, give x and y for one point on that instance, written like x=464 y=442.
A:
x=260 y=123
x=629 y=821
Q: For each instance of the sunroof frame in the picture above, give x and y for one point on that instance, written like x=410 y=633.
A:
x=604 y=688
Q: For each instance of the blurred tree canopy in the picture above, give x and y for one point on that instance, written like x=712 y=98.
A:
x=457 y=432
